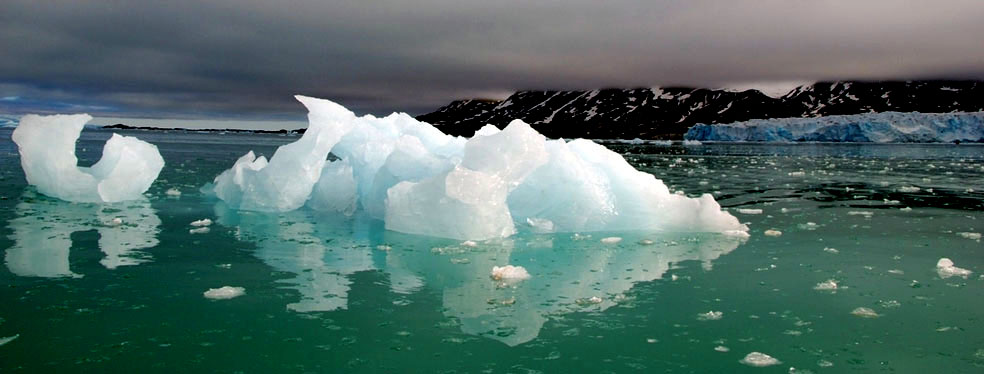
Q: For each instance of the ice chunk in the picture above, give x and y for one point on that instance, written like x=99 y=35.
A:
x=202 y=222
x=865 y=312
x=828 y=285
x=173 y=192
x=946 y=269
x=47 y=148
x=722 y=349
x=611 y=240
x=225 y=292
x=773 y=233
x=970 y=235
x=759 y=359
x=831 y=250
x=509 y=272
x=200 y=230
x=710 y=316
x=8 y=339
x=749 y=211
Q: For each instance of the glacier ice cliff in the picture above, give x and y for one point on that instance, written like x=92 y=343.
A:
x=47 y=151
x=887 y=127
x=419 y=180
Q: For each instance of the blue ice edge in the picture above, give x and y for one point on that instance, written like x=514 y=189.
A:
x=886 y=127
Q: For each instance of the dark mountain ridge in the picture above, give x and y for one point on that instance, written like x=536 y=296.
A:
x=667 y=112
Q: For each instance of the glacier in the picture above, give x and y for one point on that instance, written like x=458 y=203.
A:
x=886 y=127
x=47 y=152
x=418 y=180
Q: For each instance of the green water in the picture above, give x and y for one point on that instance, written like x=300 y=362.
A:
x=326 y=294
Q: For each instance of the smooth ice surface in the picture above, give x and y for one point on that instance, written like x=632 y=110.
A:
x=759 y=359
x=419 y=180
x=47 y=153
x=224 y=293
x=887 y=127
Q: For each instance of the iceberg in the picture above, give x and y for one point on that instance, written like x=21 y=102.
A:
x=47 y=149
x=886 y=127
x=419 y=180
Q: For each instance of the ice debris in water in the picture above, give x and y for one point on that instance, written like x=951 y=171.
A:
x=721 y=348
x=173 y=192
x=115 y=222
x=945 y=268
x=611 y=240
x=970 y=235
x=710 y=316
x=750 y=211
x=864 y=312
x=909 y=189
x=200 y=230
x=8 y=339
x=509 y=272
x=469 y=243
x=759 y=359
x=831 y=250
x=202 y=222
x=827 y=285
x=419 y=180
x=223 y=293
x=773 y=233
x=47 y=149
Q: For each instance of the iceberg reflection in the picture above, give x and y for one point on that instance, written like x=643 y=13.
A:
x=570 y=273
x=42 y=234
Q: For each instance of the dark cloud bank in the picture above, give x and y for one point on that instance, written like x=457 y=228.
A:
x=247 y=58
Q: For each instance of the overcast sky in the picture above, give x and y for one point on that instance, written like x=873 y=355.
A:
x=225 y=58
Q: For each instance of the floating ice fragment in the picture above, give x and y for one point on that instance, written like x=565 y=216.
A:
x=202 y=222
x=773 y=233
x=865 y=213
x=909 y=189
x=797 y=174
x=827 y=285
x=759 y=359
x=906 y=209
x=736 y=233
x=945 y=268
x=509 y=272
x=611 y=240
x=200 y=230
x=173 y=192
x=383 y=247
x=864 y=312
x=710 y=316
x=589 y=301
x=970 y=235
x=824 y=363
x=47 y=148
x=692 y=142
x=469 y=243
x=223 y=293
x=750 y=211
x=115 y=222
x=645 y=242
x=8 y=339
x=721 y=348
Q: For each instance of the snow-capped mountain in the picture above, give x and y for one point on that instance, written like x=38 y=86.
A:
x=667 y=113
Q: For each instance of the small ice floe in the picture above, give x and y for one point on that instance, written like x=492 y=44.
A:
x=909 y=189
x=721 y=348
x=114 y=222
x=589 y=300
x=645 y=242
x=224 y=293
x=824 y=363
x=611 y=240
x=945 y=268
x=864 y=312
x=797 y=174
x=469 y=243
x=891 y=202
x=509 y=272
x=970 y=235
x=906 y=209
x=749 y=211
x=8 y=339
x=224 y=266
x=809 y=226
x=759 y=359
x=771 y=232
x=204 y=222
x=652 y=340
x=736 y=233
x=710 y=316
x=692 y=142
x=383 y=247
x=831 y=250
x=173 y=192
x=827 y=285
x=200 y=230
x=896 y=271
x=865 y=213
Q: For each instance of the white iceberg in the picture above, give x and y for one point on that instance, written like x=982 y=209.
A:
x=421 y=181
x=47 y=149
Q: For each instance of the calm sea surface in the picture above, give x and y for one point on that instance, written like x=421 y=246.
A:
x=327 y=294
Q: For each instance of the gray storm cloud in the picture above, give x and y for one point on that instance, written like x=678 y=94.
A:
x=251 y=56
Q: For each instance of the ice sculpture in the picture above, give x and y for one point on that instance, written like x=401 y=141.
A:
x=419 y=180
x=47 y=148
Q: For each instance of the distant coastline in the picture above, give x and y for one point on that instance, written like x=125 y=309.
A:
x=120 y=126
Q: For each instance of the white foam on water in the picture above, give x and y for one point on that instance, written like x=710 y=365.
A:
x=224 y=293
x=759 y=359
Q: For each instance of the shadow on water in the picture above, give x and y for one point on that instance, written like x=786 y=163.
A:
x=570 y=273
